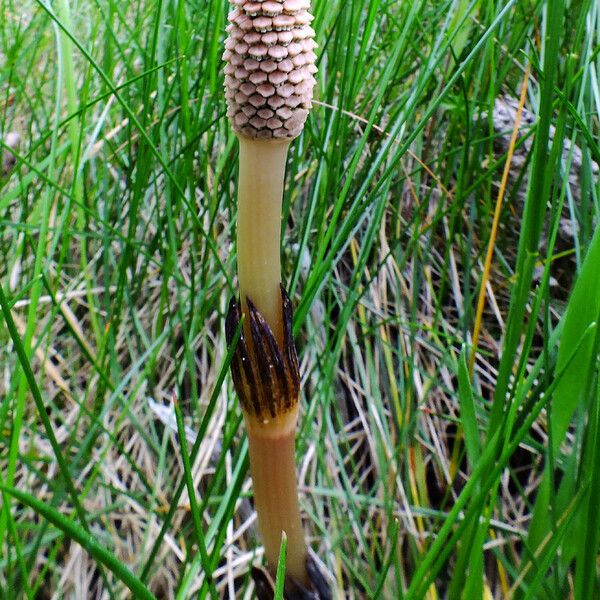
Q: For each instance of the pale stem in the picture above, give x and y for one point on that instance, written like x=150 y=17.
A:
x=261 y=180
x=273 y=468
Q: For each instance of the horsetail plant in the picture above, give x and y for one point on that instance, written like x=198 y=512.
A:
x=269 y=79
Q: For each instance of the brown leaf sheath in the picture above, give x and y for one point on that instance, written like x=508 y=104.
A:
x=266 y=377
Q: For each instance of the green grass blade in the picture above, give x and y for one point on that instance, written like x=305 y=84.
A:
x=583 y=309
x=194 y=508
x=41 y=409
x=547 y=549
x=87 y=541
x=574 y=389
x=586 y=573
x=467 y=411
x=280 y=575
x=194 y=452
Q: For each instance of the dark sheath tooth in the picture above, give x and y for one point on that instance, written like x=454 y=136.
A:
x=266 y=377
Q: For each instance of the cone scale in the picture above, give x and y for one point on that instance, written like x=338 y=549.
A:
x=269 y=79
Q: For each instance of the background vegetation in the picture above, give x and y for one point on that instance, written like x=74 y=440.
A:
x=444 y=451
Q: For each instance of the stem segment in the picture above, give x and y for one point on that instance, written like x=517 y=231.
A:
x=273 y=467
x=261 y=179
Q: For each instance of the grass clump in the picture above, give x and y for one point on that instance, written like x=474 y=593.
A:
x=417 y=478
